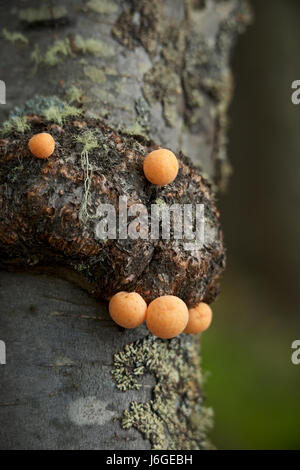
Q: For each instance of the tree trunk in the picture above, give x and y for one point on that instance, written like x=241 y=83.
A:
x=157 y=69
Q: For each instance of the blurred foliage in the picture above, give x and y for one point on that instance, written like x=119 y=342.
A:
x=252 y=384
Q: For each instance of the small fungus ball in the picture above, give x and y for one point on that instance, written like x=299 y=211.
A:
x=128 y=309
x=200 y=318
x=41 y=145
x=161 y=167
x=167 y=316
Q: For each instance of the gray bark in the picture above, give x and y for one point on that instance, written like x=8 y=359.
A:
x=161 y=69
x=56 y=387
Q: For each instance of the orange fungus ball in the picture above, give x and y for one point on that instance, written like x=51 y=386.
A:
x=161 y=167
x=200 y=318
x=167 y=316
x=41 y=145
x=128 y=309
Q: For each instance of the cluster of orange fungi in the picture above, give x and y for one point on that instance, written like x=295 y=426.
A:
x=166 y=316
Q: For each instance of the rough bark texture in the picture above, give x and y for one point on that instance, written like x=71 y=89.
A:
x=48 y=219
x=154 y=70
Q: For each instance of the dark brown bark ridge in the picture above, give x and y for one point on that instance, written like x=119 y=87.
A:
x=48 y=214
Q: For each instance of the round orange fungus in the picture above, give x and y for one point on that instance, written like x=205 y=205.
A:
x=127 y=309
x=161 y=167
x=200 y=318
x=167 y=316
x=41 y=145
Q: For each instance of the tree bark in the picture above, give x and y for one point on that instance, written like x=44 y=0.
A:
x=160 y=70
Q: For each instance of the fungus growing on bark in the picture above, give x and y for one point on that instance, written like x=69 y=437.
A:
x=128 y=309
x=41 y=145
x=42 y=224
x=167 y=316
x=161 y=167
x=200 y=318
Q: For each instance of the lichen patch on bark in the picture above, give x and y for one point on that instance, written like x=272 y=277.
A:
x=175 y=418
x=190 y=68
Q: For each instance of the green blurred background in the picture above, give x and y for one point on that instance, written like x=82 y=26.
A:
x=252 y=385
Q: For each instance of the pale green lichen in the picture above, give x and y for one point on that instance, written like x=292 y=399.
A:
x=51 y=108
x=89 y=142
x=74 y=94
x=53 y=55
x=160 y=202
x=175 y=418
x=59 y=49
x=36 y=57
x=93 y=46
x=59 y=114
x=135 y=129
x=14 y=36
x=70 y=111
x=15 y=124
x=66 y=47
x=44 y=13
x=95 y=74
x=103 y=7
x=37 y=105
